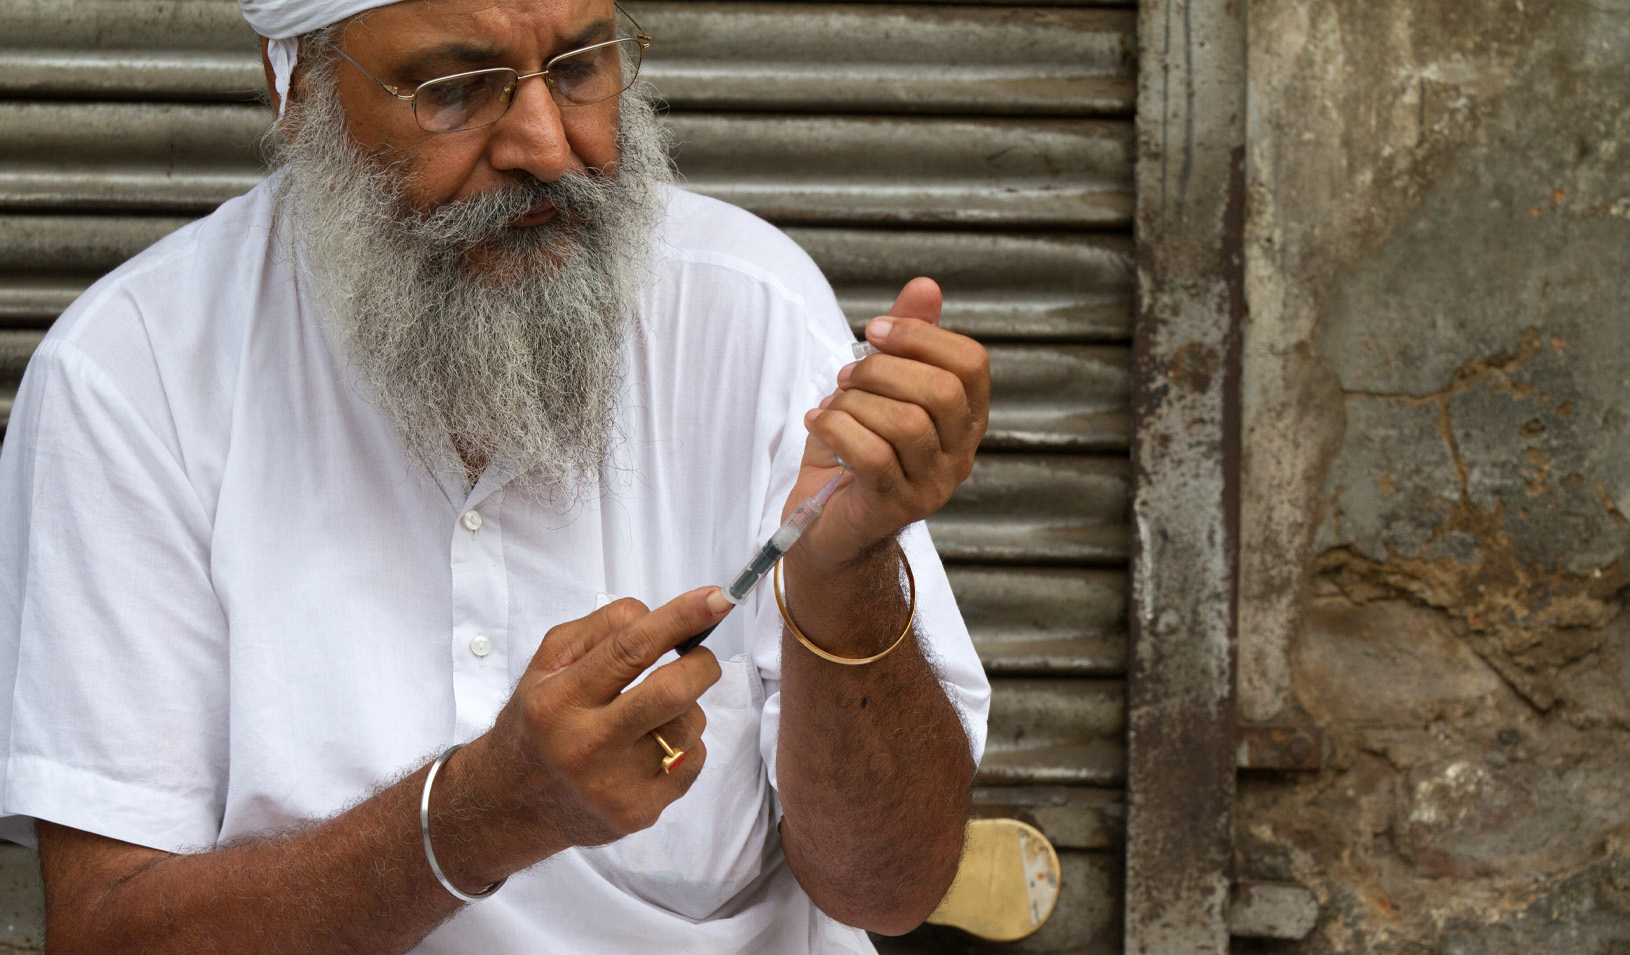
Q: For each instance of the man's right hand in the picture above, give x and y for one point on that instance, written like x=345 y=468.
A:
x=570 y=758
x=569 y=762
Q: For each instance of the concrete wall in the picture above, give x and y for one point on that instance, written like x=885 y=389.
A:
x=1435 y=545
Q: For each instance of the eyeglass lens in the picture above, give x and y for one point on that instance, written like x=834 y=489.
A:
x=477 y=99
x=457 y=102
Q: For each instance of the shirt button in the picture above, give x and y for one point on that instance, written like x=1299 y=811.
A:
x=481 y=645
x=471 y=520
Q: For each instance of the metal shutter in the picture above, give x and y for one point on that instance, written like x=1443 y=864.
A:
x=988 y=146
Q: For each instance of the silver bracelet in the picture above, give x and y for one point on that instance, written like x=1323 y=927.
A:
x=424 y=830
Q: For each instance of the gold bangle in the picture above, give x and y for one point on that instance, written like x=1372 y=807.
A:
x=911 y=617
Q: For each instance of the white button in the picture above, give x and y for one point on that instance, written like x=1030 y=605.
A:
x=472 y=520
x=481 y=646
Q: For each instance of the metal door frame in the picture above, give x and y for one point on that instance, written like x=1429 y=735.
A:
x=1185 y=456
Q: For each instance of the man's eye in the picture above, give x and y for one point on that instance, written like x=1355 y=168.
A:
x=467 y=93
x=447 y=93
x=577 y=69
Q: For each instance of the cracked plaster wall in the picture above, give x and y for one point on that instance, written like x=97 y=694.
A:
x=1435 y=550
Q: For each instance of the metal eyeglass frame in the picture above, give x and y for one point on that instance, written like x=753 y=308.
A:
x=641 y=37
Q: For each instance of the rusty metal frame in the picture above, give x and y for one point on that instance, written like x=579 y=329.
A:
x=1191 y=305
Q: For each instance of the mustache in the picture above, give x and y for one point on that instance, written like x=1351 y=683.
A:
x=485 y=218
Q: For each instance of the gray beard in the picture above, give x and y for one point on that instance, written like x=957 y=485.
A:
x=484 y=344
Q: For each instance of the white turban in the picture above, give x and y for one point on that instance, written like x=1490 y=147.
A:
x=281 y=21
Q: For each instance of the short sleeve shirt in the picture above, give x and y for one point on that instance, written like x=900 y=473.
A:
x=230 y=604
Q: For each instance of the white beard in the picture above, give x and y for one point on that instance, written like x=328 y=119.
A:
x=512 y=357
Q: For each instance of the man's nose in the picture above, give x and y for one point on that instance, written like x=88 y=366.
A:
x=531 y=136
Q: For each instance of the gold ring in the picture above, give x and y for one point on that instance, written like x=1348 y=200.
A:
x=671 y=761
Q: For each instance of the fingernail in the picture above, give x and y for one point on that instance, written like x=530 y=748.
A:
x=879 y=329
x=718 y=602
x=810 y=416
x=846 y=371
x=827 y=400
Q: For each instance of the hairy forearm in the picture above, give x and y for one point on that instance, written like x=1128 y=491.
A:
x=874 y=767
x=355 y=883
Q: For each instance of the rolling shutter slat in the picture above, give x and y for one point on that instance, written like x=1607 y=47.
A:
x=1045 y=621
x=1001 y=287
x=862 y=58
x=1037 y=509
x=797 y=169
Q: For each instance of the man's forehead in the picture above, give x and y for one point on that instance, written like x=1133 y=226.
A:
x=484 y=24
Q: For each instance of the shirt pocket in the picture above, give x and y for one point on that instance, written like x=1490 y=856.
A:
x=713 y=842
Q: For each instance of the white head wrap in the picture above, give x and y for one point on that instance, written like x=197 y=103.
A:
x=281 y=21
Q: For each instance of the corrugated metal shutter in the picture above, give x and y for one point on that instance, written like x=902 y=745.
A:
x=988 y=146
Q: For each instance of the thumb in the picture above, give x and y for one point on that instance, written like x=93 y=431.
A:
x=920 y=298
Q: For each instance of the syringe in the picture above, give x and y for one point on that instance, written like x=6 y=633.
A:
x=784 y=537
x=779 y=543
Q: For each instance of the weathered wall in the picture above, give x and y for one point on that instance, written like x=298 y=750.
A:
x=1435 y=545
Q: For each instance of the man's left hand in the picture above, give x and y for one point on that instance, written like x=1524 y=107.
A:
x=877 y=848
x=907 y=423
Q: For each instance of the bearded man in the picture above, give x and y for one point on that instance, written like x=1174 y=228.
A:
x=432 y=439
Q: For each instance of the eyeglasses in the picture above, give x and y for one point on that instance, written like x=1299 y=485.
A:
x=582 y=77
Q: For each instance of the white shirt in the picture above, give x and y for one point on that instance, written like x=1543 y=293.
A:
x=228 y=603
